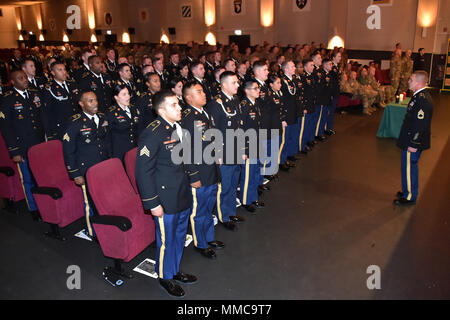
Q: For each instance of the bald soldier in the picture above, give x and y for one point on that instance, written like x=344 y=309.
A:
x=414 y=137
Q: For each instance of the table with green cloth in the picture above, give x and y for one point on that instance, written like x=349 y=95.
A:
x=392 y=120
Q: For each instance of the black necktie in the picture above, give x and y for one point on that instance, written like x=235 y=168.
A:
x=93 y=122
x=26 y=95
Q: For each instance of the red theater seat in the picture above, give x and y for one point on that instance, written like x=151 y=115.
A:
x=130 y=164
x=10 y=185
x=60 y=201
x=122 y=228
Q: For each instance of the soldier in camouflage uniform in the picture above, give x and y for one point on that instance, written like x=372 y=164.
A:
x=385 y=92
x=396 y=70
x=407 y=70
x=358 y=91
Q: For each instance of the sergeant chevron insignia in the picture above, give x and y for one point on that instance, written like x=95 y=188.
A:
x=420 y=114
x=66 y=137
x=145 y=151
x=2 y=115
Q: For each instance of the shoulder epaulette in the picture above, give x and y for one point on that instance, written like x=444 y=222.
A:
x=100 y=114
x=75 y=117
x=112 y=108
x=32 y=89
x=85 y=74
x=186 y=112
x=243 y=102
x=7 y=93
x=155 y=124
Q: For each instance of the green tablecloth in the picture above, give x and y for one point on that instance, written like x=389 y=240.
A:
x=392 y=120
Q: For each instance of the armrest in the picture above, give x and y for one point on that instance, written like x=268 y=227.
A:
x=7 y=171
x=120 y=222
x=55 y=193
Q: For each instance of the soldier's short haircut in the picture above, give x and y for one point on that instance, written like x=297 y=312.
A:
x=306 y=61
x=85 y=50
x=249 y=84
x=225 y=75
x=315 y=53
x=148 y=75
x=284 y=64
x=258 y=64
x=325 y=61
x=421 y=75
x=160 y=97
x=55 y=63
x=121 y=66
x=189 y=85
x=195 y=64
x=91 y=58
x=272 y=78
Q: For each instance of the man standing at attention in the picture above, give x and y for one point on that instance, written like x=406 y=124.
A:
x=414 y=137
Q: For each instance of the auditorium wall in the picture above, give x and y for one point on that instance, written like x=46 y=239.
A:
x=8 y=28
x=345 y=17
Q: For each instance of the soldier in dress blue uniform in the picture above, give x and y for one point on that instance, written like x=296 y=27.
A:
x=183 y=71
x=172 y=68
x=60 y=102
x=144 y=102
x=414 y=136
x=164 y=189
x=322 y=98
x=203 y=177
x=198 y=74
x=251 y=117
x=224 y=109
x=328 y=89
x=36 y=82
x=290 y=99
x=176 y=86
x=126 y=77
x=158 y=65
x=111 y=63
x=307 y=129
x=215 y=85
x=335 y=78
x=97 y=82
x=123 y=120
x=77 y=74
x=15 y=63
x=21 y=127
x=86 y=143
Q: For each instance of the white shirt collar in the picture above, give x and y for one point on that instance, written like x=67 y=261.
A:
x=290 y=78
x=87 y=66
x=95 y=117
x=231 y=98
x=201 y=81
x=260 y=82
x=31 y=79
x=253 y=102
x=22 y=93
x=62 y=84
x=98 y=76
x=419 y=91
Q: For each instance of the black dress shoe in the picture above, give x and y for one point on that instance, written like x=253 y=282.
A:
x=308 y=148
x=297 y=156
x=230 y=225
x=403 y=201
x=36 y=216
x=185 y=278
x=304 y=152
x=258 y=204
x=207 y=253
x=172 y=288
x=399 y=194
x=311 y=144
x=249 y=208
x=291 y=164
x=237 y=219
x=330 y=132
x=284 y=167
x=320 y=138
x=264 y=187
x=216 y=244
x=292 y=158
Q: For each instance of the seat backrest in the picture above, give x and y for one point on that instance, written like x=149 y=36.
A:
x=5 y=160
x=111 y=189
x=46 y=161
x=130 y=165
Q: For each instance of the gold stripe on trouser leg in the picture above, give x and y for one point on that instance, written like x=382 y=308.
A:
x=163 y=246
x=408 y=174
x=281 y=146
x=194 y=213
x=301 y=134
x=86 y=209
x=219 y=211
x=247 y=176
x=318 y=121
x=23 y=186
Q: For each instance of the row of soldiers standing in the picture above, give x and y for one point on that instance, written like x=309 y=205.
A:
x=98 y=115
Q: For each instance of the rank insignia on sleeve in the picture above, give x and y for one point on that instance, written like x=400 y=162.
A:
x=145 y=151
x=2 y=115
x=66 y=137
x=420 y=114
